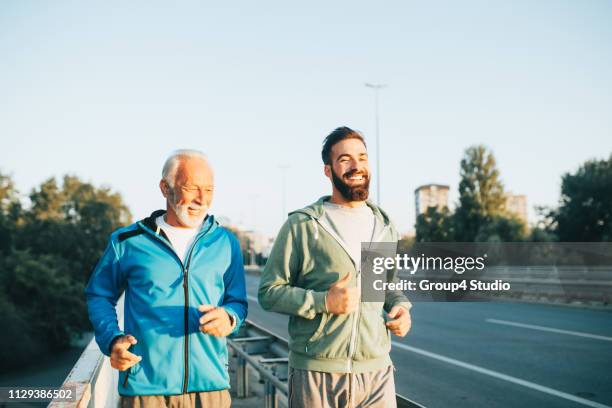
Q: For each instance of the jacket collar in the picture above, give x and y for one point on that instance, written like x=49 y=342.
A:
x=208 y=225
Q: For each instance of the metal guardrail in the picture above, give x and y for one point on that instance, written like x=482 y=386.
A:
x=268 y=355
x=95 y=381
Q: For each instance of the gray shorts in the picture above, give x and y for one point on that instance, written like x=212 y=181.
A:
x=314 y=389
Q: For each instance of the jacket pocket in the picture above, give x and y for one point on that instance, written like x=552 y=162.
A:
x=131 y=372
x=374 y=339
x=318 y=333
x=332 y=340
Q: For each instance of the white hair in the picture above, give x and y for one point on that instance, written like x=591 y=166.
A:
x=172 y=163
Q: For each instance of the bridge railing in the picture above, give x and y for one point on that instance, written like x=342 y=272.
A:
x=268 y=354
x=95 y=381
x=92 y=377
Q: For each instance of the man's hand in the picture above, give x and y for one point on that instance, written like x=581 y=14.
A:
x=340 y=299
x=216 y=321
x=120 y=357
x=401 y=323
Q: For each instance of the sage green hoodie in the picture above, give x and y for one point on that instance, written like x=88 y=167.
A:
x=307 y=258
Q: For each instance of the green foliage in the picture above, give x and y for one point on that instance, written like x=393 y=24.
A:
x=585 y=210
x=501 y=228
x=435 y=225
x=47 y=252
x=405 y=244
x=539 y=234
x=73 y=221
x=584 y=213
x=481 y=196
x=481 y=214
x=10 y=210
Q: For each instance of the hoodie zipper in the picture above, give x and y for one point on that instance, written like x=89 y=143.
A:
x=356 y=316
x=185 y=270
x=353 y=338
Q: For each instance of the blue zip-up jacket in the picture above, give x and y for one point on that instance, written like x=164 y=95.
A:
x=162 y=296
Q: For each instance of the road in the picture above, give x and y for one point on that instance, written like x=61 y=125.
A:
x=495 y=354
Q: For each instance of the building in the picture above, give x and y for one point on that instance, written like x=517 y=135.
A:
x=430 y=195
x=517 y=205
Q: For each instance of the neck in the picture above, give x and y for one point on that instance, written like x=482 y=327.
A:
x=339 y=199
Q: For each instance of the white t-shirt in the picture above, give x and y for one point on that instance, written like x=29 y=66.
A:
x=353 y=225
x=180 y=238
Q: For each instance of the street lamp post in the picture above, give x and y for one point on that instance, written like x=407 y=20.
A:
x=283 y=169
x=377 y=87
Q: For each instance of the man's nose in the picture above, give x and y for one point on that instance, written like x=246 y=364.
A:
x=354 y=165
x=199 y=196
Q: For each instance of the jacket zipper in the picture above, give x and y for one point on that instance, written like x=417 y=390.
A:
x=127 y=375
x=185 y=270
x=186 y=291
x=186 y=316
x=356 y=316
x=353 y=338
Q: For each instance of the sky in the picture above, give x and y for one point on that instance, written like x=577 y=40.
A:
x=106 y=90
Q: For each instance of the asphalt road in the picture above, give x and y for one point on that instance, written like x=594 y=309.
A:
x=495 y=354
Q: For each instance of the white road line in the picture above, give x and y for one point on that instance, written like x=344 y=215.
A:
x=501 y=376
x=549 y=329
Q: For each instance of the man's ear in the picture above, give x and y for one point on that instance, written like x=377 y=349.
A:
x=327 y=170
x=164 y=187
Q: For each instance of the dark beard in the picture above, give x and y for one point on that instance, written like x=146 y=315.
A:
x=357 y=193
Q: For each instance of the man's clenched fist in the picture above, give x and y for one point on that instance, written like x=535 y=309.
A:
x=340 y=299
x=120 y=357
x=216 y=321
x=401 y=323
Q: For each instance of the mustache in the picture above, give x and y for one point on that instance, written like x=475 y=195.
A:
x=192 y=206
x=352 y=173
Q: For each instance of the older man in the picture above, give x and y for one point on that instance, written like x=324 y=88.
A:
x=184 y=285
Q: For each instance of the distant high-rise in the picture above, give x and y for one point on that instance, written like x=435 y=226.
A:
x=517 y=205
x=430 y=195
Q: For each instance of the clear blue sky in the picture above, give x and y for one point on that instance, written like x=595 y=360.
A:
x=106 y=90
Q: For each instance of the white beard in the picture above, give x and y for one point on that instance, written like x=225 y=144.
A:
x=182 y=213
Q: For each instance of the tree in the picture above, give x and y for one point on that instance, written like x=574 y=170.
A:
x=481 y=214
x=47 y=297
x=47 y=252
x=10 y=212
x=585 y=210
x=435 y=225
x=481 y=193
x=500 y=228
x=73 y=220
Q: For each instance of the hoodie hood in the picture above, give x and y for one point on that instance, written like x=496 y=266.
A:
x=316 y=210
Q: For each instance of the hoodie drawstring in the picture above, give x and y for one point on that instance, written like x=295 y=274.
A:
x=316 y=228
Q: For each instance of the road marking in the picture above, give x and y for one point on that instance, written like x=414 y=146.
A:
x=549 y=329
x=502 y=376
